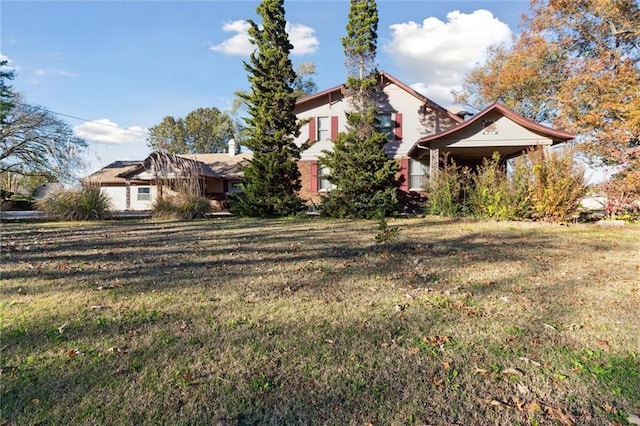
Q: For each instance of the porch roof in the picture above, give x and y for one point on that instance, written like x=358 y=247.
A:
x=469 y=141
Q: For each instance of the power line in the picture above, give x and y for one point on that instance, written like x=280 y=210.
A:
x=86 y=120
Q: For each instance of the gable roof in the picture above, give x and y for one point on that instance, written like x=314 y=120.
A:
x=110 y=173
x=385 y=77
x=207 y=165
x=557 y=136
x=223 y=166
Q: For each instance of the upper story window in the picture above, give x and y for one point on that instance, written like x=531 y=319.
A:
x=386 y=124
x=323 y=128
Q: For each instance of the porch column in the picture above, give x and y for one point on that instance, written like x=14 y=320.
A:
x=128 y=195
x=434 y=165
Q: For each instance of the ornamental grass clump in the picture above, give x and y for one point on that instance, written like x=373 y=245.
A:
x=86 y=203
x=181 y=206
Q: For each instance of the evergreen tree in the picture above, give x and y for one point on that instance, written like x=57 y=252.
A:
x=271 y=179
x=363 y=176
x=7 y=96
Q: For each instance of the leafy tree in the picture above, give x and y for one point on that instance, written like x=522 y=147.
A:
x=205 y=130
x=363 y=176
x=271 y=179
x=576 y=65
x=304 y=84
x=34 y=142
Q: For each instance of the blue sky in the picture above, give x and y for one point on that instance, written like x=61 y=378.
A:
x=121 y=66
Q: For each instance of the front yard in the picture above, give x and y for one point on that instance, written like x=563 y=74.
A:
x=229 y=321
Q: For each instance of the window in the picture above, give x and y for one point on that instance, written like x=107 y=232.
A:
x=323 y=182
x=386 y=124
x=418 y=174
x=323 y=128
x=144 y=193
x=234 y=186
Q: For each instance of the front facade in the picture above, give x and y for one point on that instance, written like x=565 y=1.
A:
x=420 y=134
x=404 y=114
x=135 y=185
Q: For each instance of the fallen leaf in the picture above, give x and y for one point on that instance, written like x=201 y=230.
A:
x=532 y=407
x=445 y=365
x=513 y=371
x=481 y=371
x=527 y=360
x=522 y=388
x=437 y=382
x=564 y=418
x=603 y=343
x=74 y=352
x=518 y=403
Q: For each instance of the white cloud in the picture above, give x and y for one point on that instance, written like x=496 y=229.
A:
x=238 y=44
x=437 y=55
x=6 y=58
x=108 y=132
x=39 y=74
x=301 y=37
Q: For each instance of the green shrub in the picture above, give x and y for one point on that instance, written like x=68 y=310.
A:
x=445 y=195
x=87 y=203
x=181 y=206
x=558 y=185
x=540 y=187
x=492 y=194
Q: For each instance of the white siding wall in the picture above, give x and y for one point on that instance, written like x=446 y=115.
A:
x=118 y=196
x=395 y=100
x=507 y=133
x=142 y=204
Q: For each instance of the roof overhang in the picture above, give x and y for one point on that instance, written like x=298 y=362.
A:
x=456 y=140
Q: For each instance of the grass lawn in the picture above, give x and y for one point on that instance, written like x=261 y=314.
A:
x=228 y=321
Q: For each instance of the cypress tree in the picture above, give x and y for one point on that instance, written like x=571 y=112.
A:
x=271 y=179
x=363 y=176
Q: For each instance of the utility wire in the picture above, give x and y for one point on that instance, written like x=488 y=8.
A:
x=86 y=120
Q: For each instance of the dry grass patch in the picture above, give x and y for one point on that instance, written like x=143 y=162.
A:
x=311 y=321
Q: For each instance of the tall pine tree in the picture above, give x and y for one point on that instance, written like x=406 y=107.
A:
x=271 y=179
x=363 y=176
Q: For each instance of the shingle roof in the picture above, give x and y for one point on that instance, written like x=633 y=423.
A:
x=110 y=172
x=211 y=165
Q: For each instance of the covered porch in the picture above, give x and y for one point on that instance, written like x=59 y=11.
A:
x=494 y=129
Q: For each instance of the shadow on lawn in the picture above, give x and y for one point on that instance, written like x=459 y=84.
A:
x=353 y=366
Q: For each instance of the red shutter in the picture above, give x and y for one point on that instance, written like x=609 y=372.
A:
x=312 y=129
x=404 y=174
x=334 y=127
x=314 y=176
x=397 y=131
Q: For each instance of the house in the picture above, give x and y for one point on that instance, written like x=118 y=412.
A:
x=404 y=114
x=420 y=133
x=135 y=185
